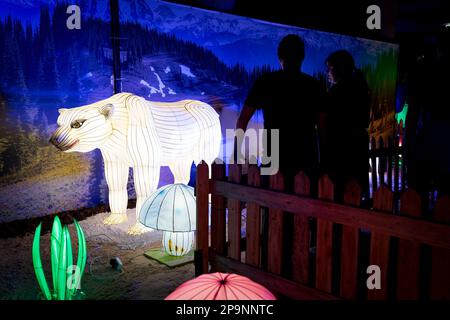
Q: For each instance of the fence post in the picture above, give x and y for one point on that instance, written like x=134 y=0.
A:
x=350 y=246
x=202 y=192
x=300 y=255
x=373 y=147
x=218 y=223
x=234 y=216
x=253 y=223
x=324 y=251
x=275 y=245
x=409 y=251
x=383 y=200
x=440 y=257
x=382 y=160
x=397 y=165
x=390 y=151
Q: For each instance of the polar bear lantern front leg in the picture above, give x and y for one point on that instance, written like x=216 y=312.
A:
x=145 y=151
x=116 y=174
x=146 y=177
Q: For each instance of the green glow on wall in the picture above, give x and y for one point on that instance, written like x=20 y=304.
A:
x=402 y=115
x=65 y=284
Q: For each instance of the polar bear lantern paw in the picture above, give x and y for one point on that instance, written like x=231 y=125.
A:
x=115 y=218
x=138 y=229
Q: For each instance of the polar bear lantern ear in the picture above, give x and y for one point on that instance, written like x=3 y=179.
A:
x=107 y=110
x=61 y=110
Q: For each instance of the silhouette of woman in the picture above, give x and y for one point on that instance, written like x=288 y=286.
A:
x=347 y=119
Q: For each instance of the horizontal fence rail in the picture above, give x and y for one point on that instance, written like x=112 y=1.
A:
x=394 y=225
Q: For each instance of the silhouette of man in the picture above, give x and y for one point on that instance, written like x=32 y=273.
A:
x=290 y=101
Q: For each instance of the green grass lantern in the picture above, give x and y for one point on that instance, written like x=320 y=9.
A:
x=66 y=276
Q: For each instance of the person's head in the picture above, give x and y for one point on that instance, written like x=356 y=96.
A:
x=340 y=66
x=291 y=52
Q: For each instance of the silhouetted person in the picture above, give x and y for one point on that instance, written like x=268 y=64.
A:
x=427 y=140
x=347 y=120
x=290 y=101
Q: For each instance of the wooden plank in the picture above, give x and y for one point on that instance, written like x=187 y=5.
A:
x=382 y=161
x=373 y=146
x=324 y=250
x=275 y=239
x=402 y=227
x=218 y=220
x=440 y=257
x=300 y=254
x=253 y=224
x=379 y=244
x=279 y=286
x=390 y=159
x=409 y=251
x=396 y=167
x=350 y=246
x=403 y=174
x=202 y=192
x=234 y=216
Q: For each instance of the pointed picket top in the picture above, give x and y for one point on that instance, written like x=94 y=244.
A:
x=410 y=203
x=442 y=209
x=218 y=170
x=302 y=184
x=234 y=172
x=277 y=181
x=203 y=167
x=254 y=176
x=383 y=199
x=352 y=193
x=326 y=188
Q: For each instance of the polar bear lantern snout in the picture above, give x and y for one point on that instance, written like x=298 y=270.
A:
x=83 y=129
x=61 y=140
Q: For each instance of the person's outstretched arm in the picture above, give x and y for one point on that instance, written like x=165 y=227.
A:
x=255 y=100
x=242 y=123
x=244 y=117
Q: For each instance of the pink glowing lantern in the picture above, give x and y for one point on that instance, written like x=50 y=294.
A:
x=221 y=286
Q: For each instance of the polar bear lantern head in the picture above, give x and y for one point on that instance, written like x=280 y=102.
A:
x=83 y=129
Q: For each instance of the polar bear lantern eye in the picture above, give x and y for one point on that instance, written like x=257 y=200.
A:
x=77 y=123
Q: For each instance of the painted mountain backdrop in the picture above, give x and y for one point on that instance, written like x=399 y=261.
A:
x=168 y=52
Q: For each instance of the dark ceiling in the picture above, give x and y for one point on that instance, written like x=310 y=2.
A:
x=414 y=25
x=400 y=19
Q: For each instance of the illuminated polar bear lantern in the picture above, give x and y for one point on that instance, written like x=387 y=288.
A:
x=133 y=132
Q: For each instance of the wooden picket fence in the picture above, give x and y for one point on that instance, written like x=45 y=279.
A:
x=326 y=253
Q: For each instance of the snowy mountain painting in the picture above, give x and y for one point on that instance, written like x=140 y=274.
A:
x=168 y=52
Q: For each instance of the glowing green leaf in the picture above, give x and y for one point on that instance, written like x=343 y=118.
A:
x=55 y=243
x=69 y=263
x=81 y=259
x=62 y=267
x=37 y=263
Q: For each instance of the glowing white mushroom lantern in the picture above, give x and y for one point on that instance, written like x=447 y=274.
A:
x=172 y=209
x=177 y=243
